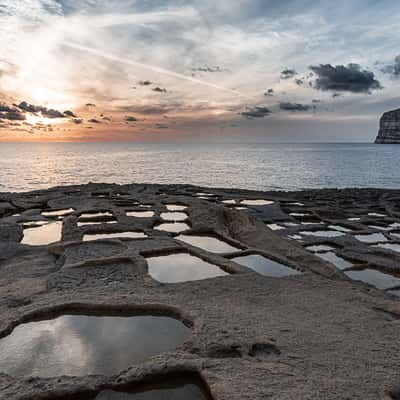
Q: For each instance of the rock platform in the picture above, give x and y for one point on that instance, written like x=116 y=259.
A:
x=318 y=335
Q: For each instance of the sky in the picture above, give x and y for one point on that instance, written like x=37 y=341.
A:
x=199 y=70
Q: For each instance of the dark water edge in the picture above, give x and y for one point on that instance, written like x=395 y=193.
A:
x=256 y=166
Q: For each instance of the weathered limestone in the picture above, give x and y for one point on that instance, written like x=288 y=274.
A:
x=317 y=335
x=389 y=128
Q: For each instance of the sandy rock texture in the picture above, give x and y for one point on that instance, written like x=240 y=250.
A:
x=316 y=335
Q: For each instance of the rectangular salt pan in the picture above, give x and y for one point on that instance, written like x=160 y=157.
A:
x=249 y=202
x=340 y=228
x=95 y=223
x=375 y=278
x=389 y=246
x=140 y=214
x=43 y=235
x=173 y=227
x=208 y=243
x=322 y=233
x=79 y=345
x=58 y=213
x=265 y=266
x=371 y=238
x=337 y=261
x=176 y=207
x=96 y=214
x=116 y=235
x=275 y=227
x=173 y=216
x=181 y=267
x=319 y=247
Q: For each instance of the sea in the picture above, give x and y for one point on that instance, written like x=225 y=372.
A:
x=257 y=166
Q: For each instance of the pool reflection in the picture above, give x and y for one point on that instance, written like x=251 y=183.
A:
x=80 y=345
x=208 y=243
x=265 y=266
x=42 y=234
x=181 y=267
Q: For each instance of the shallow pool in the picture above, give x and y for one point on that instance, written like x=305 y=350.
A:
x=82 y=345
x=181 y=267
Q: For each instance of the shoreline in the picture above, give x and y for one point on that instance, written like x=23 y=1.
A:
x=219 y=190
x=252 y=335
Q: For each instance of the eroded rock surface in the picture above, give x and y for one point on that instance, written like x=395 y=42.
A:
x=389 y=128
x=314 y=335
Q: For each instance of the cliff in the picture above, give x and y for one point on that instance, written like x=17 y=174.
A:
x=389 y=128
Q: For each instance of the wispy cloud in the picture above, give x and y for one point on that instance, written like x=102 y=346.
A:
x=206 y=61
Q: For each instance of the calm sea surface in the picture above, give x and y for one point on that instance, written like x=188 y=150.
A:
x=28 y=166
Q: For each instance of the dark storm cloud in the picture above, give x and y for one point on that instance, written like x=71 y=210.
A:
x=288 y=73
x=269 y=92
x=160 y=90
x=287 y=106
x=50 y=113
x=6 y=108
x=256 y=112
x=340 y=78
x=131 y=118
x=24 y=106
x=12 y=116
x=69 y=113
x=46 y=112
x=393 y=69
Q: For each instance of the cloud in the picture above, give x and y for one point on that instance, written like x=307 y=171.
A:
x=6 y=108
x=340 y=78
x=161 y=126
x=145 y=83
x=90 y=105
x=13 y=115
x=131 y=118
x=210 y=69
x=94 y=121
x=287 y=106
x=160 y=90
x=69 y=113
x=153 y=109
x=269 y=92
x=288 y=73
x=256 y=112
x=46 y=112
x=77 y=121
x=393 y=69
x=24 y=106
x=51 y=113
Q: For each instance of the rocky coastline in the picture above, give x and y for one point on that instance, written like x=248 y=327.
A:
x=389 y=128
x=328 y=331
